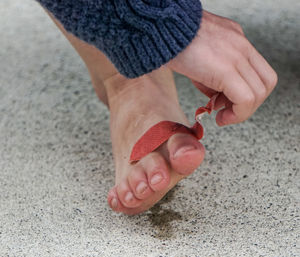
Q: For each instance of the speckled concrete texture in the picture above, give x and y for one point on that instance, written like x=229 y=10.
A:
x=56 y=164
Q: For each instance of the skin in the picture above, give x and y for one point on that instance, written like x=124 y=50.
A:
x=219 y=59
x=132 y=112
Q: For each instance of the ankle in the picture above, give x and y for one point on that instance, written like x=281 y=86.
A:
x=99 y=77
x=160 y=81
x=99 y=89
x=120 y=89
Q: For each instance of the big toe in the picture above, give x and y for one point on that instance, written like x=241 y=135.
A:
x=186 y=153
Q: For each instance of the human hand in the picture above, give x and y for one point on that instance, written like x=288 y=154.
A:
x=221 y=59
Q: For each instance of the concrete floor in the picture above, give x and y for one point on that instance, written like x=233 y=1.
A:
x=56 y=164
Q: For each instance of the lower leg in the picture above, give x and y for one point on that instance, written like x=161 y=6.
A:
x=99 y=67
x=103 y=72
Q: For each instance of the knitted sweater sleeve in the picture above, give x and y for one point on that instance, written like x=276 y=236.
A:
x=138 y=36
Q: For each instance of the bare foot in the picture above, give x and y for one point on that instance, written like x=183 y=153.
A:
x=135 y=106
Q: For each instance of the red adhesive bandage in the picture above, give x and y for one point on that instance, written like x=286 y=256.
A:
x=162 y=131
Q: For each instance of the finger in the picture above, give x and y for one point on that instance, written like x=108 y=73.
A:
x=252 y=78
x=226 y=116
x=263 y=69
x=205 y=90
x=221 y=101
x=240 y=94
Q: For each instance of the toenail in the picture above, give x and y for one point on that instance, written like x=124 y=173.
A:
x=183 y=150
x=156 y=179
x=141 y=187
x=114 y=203
x=129 y=197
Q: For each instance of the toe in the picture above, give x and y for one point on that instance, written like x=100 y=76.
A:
x=114 y=202
x=185 y=153
x=126 y=196
x=157 y=171
x=138 y=182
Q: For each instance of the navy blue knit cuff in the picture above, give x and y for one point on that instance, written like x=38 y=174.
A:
x=137 y=36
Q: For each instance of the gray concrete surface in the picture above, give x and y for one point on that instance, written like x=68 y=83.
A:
x=56 y=164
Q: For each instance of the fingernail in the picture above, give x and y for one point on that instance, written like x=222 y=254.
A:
x=183 y=150
x=129 y=197
x=114 y=203
x=156 y=179
x=141 y=187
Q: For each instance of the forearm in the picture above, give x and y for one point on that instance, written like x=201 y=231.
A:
x=137 y=36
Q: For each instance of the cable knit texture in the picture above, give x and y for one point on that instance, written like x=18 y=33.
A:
x=138 y=36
